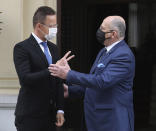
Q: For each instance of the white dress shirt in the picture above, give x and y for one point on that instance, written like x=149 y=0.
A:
x=111 y=46
x=39 y=41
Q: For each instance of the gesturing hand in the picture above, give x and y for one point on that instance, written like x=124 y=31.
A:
x=59 y=71
x=65 y=57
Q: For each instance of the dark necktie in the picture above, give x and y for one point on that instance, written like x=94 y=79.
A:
x=46 y=52
x=102 y=55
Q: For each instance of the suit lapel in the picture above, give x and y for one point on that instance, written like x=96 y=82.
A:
x=38 y=50
x=107 y=54
x=95 y=65
x=96 y=61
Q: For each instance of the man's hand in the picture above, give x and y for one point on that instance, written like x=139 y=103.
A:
x=66 y=94
x=59 y=71
x=60 y=119
x=65 y=57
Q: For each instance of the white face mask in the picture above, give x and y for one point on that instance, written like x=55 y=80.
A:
x=52 y=33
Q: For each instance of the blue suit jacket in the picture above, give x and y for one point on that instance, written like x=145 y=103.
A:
x=108 y=101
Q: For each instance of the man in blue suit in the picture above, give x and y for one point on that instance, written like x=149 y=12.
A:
x=108 y=102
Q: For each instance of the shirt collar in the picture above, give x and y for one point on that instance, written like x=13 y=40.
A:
x=112 y=45
x=37 y=38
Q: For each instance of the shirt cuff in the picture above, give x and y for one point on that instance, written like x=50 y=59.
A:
x=60 y=111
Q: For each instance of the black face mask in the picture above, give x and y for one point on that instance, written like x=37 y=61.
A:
x=100 y=35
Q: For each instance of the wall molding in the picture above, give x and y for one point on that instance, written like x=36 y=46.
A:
x=9 y=81
x=8 y=75
x=8 y=101
x=9 y=84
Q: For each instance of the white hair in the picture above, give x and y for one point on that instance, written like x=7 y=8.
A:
x=119 y=25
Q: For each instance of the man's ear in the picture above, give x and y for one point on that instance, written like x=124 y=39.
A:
x=114 y=34
x=38 y=25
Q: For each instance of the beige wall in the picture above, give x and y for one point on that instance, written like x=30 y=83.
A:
x=17 y=25
x=29 y=7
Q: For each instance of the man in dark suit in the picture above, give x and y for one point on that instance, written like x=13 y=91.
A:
x=40 y=100
x=108 y=102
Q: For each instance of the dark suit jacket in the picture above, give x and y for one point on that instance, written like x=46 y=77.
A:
x=38 y=87
x=108 y=101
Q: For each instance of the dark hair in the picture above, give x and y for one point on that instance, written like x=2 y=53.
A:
x=41 y=13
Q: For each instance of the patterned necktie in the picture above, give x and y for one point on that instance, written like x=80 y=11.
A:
x=46 y=52
x=102 y=55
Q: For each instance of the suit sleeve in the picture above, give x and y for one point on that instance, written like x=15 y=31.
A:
x=22 y=65
x=115 y=72
x=76 y=91
x=59 y=88
x=59 y=95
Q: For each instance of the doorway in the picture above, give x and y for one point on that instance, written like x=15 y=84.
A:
x=79 y=21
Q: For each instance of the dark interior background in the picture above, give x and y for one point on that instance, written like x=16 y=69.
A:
x=79 y=21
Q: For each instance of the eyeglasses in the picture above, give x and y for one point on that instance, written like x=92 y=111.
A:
x=50 y=26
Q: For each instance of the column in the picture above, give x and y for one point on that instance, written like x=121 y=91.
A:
x=133 y=27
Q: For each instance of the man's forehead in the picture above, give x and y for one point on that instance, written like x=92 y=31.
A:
x=104 y=25
x=51 y=19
